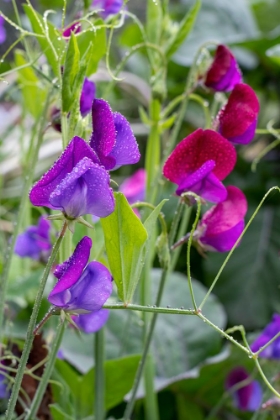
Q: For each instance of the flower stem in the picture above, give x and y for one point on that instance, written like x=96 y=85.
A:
x=31 y=326
x=46 y=375
x=99 y=386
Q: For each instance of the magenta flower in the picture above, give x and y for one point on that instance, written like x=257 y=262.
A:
x=224 y=72
x=3 y=33
x=81 y=288
x=199 y=163
x=134 y=186
x=112 y=138
x=249 y=396
x=35 y=242
x=87 y=97
x=221 y=226
x=242 y=107
x=76 y=184
x=92 y=322
x=273 y=350
x=74 y=27
x=109 y=7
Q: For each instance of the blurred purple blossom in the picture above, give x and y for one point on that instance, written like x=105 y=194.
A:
x=224 y=72
x=76 y=184
x=74 y=27
x=4 y=390
x=112 y=138
x=87 y=97
x=134 y=186
x=35 y=242
x=273 y=350
x=109 y=7
x=249 y=396
x=221 y=226
x=92 y=322
x=3 y=33
x=81 y=288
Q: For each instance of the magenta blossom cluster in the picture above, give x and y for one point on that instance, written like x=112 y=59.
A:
x=35 y=241
x=271 y=330
x=82 y=288
x=247 y=396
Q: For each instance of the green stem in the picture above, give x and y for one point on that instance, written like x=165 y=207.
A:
x=28 y=176
x=99 y=386
x=152 y=309
x=46 y=375
x=31 y=326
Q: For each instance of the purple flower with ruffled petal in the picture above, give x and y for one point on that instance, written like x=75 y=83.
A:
x=249 y=396
x=76 y=184
x=224 y=72
x=3 y=34
x=87 y=97
x=35 y=242
x=109 y=7
x=273 y=350
x=221 y=226
x=92 y=322
x=112 y=138
x=81 y=288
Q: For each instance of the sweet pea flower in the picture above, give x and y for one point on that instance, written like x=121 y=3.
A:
x=224 y=72
x=92 y=322
x=35 y=242
x=76 y=184
x=74 y=27
x=249 y=396
x=3 y=34
x=238 y=119
x=273 y=350
x=109 y=7
x=134 y=186
x=199 y=163
x=81 y=288
x=87 y=97
x=112 y=138
x=221 y=226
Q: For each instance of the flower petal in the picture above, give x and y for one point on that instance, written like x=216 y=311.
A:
x=87 y=97
x=92 y=322
x=103 y=137
x=134 y=187
x=272 y=351
x=109 y=7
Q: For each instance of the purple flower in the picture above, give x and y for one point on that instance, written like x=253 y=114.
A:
x=273 y=350
x=112 y=138
x=87 y=97
x=221 y=226
x=242 y=106
x=199 y=163
x=92 y=322
x=35 y=242
x=81 y=288
x=134 y=187
x=109 y=7
x=4 y=390
x=76 y=184
x=3 y=34
x=75 y=28
x=224 y=72
x=249 y=396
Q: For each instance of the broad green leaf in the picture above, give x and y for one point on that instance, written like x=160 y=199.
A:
x=71 y=69
x=183 y=30
x=53 y=44
x=33 y=91
x=98 y=40
x=125 y=237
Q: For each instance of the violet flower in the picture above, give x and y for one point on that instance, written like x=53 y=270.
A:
x=109 y=7
x=273 y=350
x=92 y=322
x=35 y=242
x=221 y=226
x=81 y=288
x=3 y=33
x=76 y=184
x=87 y=97
x=199 y=163
x=74 y=27
x=4 y=389
x=112 y=138
x=249 y=396
x=238 y=119
x=224 y=72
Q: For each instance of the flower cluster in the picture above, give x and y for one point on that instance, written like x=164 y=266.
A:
x=201 y=161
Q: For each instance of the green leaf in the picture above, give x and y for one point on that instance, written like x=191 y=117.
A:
x=33 y=92
x=144 y=116
x=184 y=29
x=125 y=237
x=53 y=43
x=98 y=40
x=71 y=69
x=274 y=53
x=59 y=414
x=154 y=20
